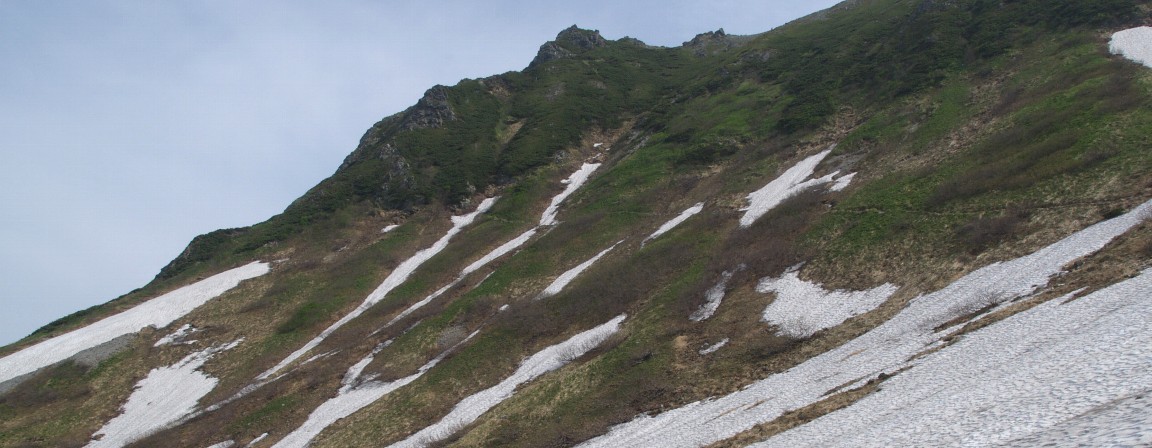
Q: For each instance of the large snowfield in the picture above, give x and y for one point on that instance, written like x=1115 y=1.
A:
x=1093 y=353
x=157 y=312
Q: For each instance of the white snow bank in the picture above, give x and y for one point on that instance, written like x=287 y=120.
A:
x=1059 y=373
x=163 y=398
x=499 y=251
x=712 y=298
x=567 y=277
x=712 y=348
x=671 y=224
x=394 y=279
x=885 y=349
x=157 y=312
x=789 y=184
x=1134 y=44
x=224 y=444
x=176 y=336
x=544 y=361
x=258 y=439
x=802 y=308
x=574 y=182
x=351 y=397
x=389 y=228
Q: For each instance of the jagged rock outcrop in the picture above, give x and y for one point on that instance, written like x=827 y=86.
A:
x=432 y=111
x=714 y=42
x=570 y=42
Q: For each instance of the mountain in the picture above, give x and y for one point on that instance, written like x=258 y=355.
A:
x=891 y=223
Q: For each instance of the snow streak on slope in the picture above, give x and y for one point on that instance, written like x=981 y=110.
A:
x=157 y=312
x=885 y=349
x=1134 y=44
x=789 y=184
x=802 y=308
x=165 y=397
x=567 y=277
x=544 y=361
x=351 y=398
x=671 y=224
x=1060 y=371
x=177 y=337
x=396 y=278
x=713 y=298
x=547 y=218
x=574 y=182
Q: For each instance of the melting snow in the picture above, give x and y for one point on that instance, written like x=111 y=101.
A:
x=544 y=361
x=499 y=251
x=802 y=308
x=224 y=444
x=1134 y=44
x=1059 y=372
x=888 y=348
x=165 y=397
x=176 y=336
x=157 y=312
x=671 y=224
x=394 y=279
x=567 y=277
x=713 y=298
x=389 y=228
x=574 y=182
x=789 y=184
x=712 y=348
x=257 y=439
x=350 y=399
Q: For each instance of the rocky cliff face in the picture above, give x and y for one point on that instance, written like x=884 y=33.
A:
x=570 y=42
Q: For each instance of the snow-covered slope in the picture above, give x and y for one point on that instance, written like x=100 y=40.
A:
x=884 y=350
x=157 y=312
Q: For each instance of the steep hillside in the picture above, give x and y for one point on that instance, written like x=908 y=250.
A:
x=892 y=223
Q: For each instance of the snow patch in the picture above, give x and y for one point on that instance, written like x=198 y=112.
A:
x=789 y=184
x=177 y=336
x=162 y=399
x=350 y=399
x=567 y=277
x=888 y=348
x=498 y=252
x=551 y=358
x=224 y=444
x=713 y=297
x=158 y=312
x=712 y=348
x=574 y=182
x=394 y=279
x=671 y=224
x=1134 y=44
x=389 y=228
x=802 y=308
x=257 y=439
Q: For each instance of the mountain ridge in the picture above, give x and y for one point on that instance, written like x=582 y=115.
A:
x=964 y=158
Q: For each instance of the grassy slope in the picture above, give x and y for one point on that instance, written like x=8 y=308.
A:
x=984 y=156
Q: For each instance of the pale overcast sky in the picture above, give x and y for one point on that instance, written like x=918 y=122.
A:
x=129 y=127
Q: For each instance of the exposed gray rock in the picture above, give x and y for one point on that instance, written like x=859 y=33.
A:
x=714 y=42
x=432 y=111
x=568 y=43
x=88 y=358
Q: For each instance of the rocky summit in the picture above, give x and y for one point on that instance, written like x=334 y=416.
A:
x=891 y=223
